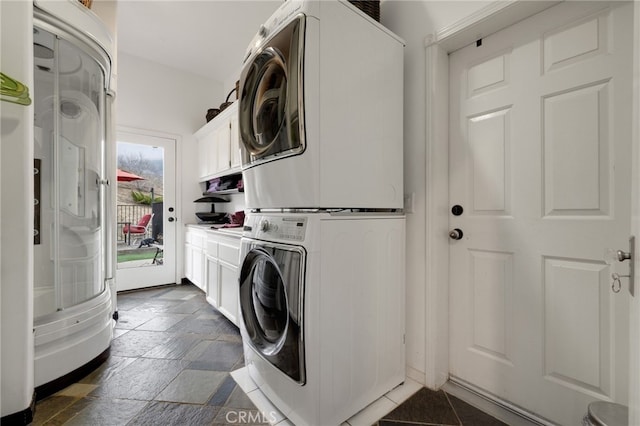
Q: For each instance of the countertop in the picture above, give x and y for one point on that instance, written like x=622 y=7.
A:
x=235 y=232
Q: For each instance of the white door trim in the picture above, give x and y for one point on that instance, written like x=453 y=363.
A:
x=634 y=308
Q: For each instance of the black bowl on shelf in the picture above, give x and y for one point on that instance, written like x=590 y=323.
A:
x=212 y=217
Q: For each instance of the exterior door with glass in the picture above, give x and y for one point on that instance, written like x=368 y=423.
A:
x=145 y=210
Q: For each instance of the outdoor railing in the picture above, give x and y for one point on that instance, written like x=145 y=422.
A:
x=129 y=214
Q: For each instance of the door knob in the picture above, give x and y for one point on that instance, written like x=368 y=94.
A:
x=623 y=255
x=456 y=234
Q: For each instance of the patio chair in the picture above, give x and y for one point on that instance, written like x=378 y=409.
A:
x=139 y=229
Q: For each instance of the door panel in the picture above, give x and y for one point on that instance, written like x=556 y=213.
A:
x=154 y=263
x=540 y=160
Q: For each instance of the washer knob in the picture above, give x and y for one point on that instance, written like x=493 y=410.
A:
x=264 y=225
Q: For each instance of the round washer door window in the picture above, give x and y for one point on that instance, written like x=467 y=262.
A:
x=264 y=302
x=266 y=87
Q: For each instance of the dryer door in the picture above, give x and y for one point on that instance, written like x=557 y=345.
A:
x=271 y=124
x=271 y=290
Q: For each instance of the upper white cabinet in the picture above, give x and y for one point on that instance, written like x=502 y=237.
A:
x=235 y=140
x=219 y=145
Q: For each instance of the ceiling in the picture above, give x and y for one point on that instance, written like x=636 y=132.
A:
x=205 y=37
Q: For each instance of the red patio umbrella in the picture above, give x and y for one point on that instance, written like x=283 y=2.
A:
x=124 y=176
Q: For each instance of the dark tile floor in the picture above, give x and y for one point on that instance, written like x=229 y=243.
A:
x=427 y=407
x=169 y=365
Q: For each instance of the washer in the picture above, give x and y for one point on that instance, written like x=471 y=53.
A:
x=321 y=110
x=322 y=311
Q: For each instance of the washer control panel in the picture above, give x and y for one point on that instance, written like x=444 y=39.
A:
x=292 y=228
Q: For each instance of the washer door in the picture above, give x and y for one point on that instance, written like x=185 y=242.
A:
x=271 y=283
x=271 y=98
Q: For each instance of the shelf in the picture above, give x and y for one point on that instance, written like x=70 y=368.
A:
x=212 y=198
x=225 y=192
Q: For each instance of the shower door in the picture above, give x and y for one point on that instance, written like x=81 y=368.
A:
x=73 y=304
x=69 y=151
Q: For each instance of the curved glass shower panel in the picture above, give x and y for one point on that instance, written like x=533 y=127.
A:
x=80 y=138
x=69 y=138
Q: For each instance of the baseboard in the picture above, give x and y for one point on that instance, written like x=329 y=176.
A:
x=416 y=375
x=68 y=379
x=501 y=410
x=21 y=418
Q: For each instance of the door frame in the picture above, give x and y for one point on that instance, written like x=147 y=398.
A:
x=634 y=304
x=490 y=19
x=179 y=254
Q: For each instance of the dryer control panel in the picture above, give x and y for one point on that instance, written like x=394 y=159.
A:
x=272 y=227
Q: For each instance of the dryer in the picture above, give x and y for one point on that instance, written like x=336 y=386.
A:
x=322 y=311
x=321 y=110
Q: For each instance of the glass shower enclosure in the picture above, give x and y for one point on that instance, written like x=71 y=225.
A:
x=72 y=301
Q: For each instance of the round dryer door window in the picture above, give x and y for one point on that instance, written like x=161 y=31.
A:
x=271 y=106
x=268 y=78
x=264 y=301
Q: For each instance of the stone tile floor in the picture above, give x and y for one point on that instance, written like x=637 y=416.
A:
x=169 y=365
x=427 y=407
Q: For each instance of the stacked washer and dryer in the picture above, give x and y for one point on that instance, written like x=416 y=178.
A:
x=321 y=283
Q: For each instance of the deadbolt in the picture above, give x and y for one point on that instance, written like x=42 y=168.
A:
x=456 y=234
x=457 y=210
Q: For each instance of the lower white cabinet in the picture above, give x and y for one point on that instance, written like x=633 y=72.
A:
x=194 y=260
x=222 y=259
x=211 y=261
x=228 y=291
x=213 y=286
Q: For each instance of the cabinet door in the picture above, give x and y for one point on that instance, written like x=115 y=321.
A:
x=203 y=155
x=197 y=261
x=188 y=262
x=234 y=142
x=222 y=147
x=211 y=155
x=229 y=291
x=207 y=156
x=212 y=286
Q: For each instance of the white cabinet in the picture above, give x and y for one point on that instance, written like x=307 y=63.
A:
x=235 y=158
x=222 y=257
x=194 y=258
x=228 y=291
x=218 y=145
x=213 y=286
x=206 y=156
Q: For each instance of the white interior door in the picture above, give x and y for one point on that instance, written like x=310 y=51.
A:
x=146 y=259
x=540 y=145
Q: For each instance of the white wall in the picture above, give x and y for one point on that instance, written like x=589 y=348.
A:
x=157 y=98
x=16 y=226
x=414 y=20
